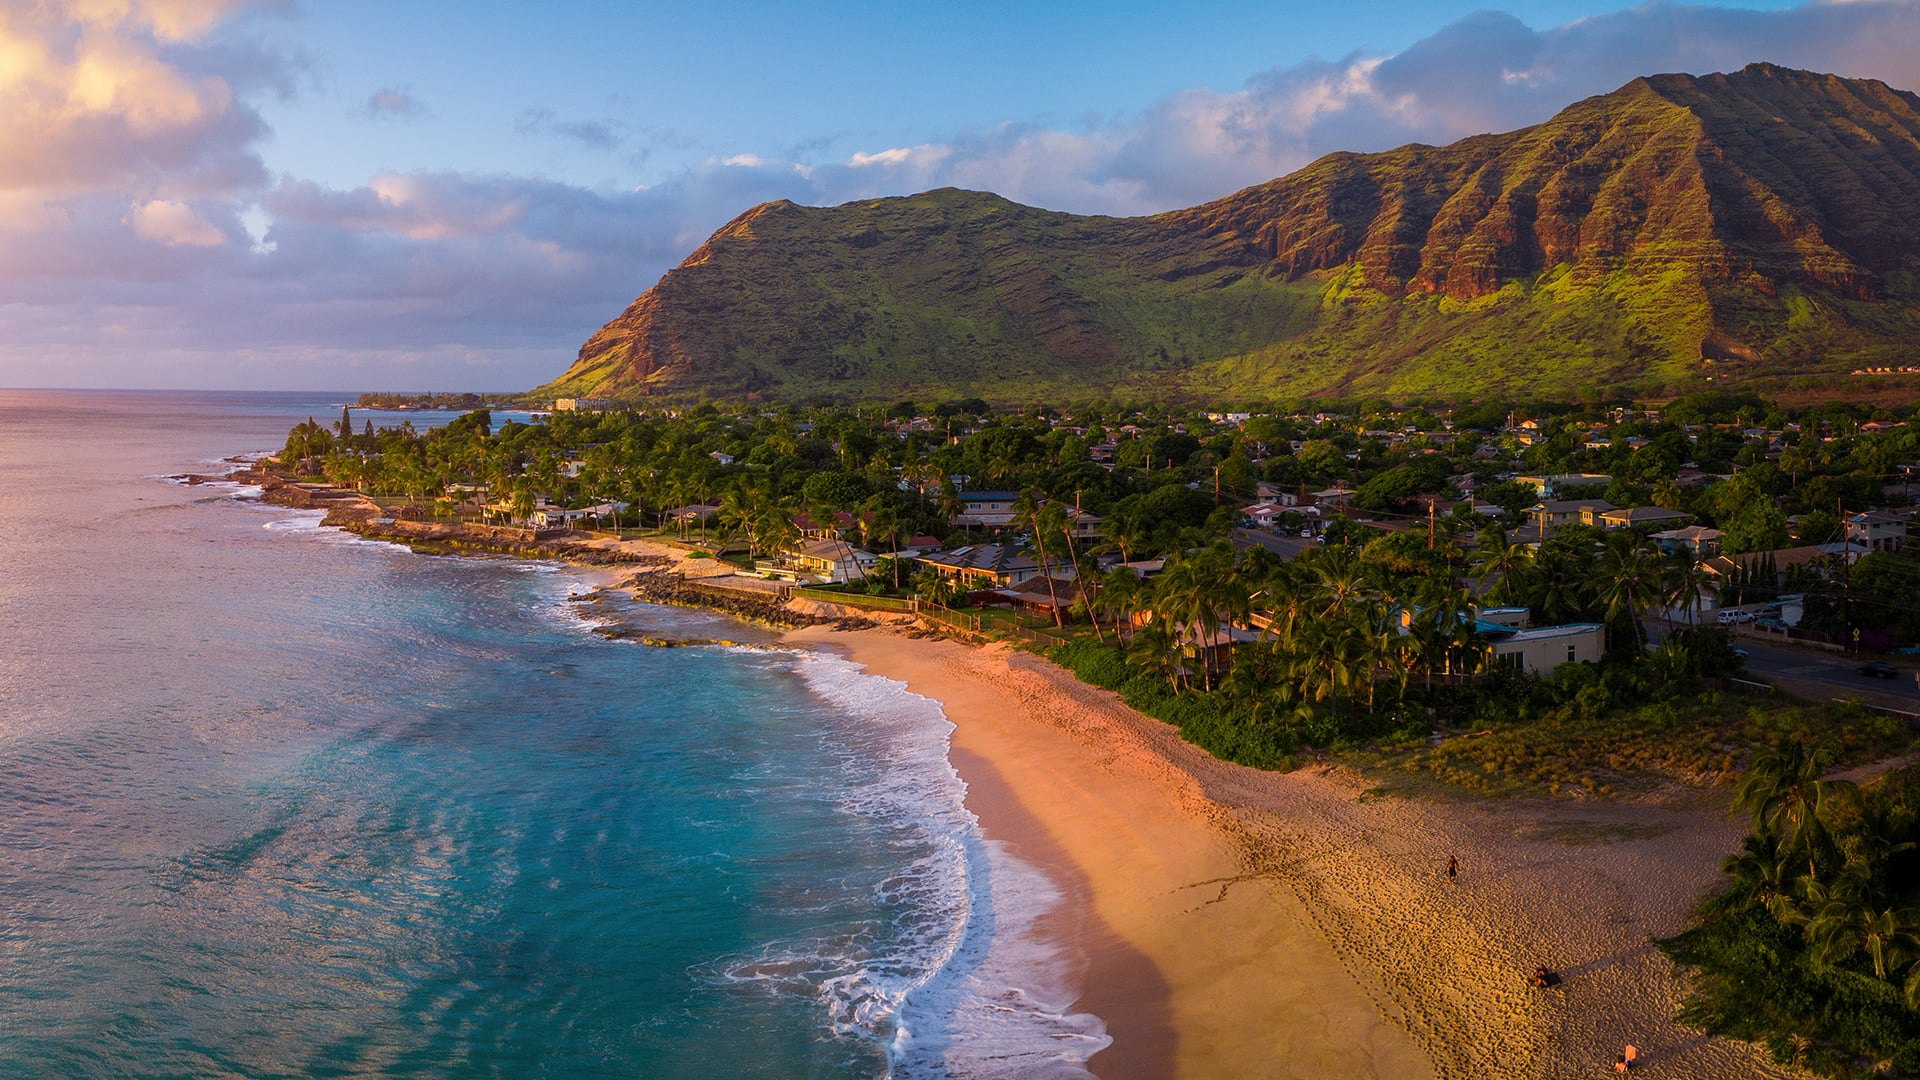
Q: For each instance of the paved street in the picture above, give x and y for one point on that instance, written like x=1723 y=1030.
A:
x=1816 y=674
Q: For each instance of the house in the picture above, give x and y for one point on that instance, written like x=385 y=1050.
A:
x=985 y=510
x=1881 y=530
x=1053 y=598
x=1629 y=517
x=1541 y=649
x=1546 y=485
x=553 y=517
x=833 y=562
x=1083 y=524
x=1262 y=515
x=1698 y=539
x=1548 y=516
x=1333 y=498
x=915 y=546
x=982 y=566
x=698 y=514
x=1726 y=566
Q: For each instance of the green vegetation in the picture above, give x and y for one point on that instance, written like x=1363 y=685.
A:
x=1673 y=236
x=1359 y=641
x=1812 y=947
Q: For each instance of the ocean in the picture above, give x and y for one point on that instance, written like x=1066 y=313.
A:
x=276 y=801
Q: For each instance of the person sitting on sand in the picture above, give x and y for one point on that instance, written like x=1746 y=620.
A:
x=1544 y=977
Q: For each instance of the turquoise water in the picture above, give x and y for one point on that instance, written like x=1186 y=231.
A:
x=278 y=802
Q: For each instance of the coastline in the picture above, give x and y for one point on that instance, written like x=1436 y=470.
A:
x=1240 y=923
x=1232 y=922
x=1187 y=959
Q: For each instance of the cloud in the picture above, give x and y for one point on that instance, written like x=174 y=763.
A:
x=393 y=102
x=134 y=206
x=105 y=94
x=598 y=134
x=1486 y=72
x=175 y=225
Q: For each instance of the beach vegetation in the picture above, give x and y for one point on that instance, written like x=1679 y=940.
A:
x=1359 y=639
x=1811 y=946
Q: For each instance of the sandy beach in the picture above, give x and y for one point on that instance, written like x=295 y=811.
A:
x=1236 y=923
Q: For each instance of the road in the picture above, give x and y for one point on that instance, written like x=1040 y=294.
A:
x=1819 y=675
x=1284 y=546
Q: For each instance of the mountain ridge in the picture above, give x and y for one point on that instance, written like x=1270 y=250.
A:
x=1678 y=229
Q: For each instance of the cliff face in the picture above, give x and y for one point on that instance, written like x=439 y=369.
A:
x=1767 y=221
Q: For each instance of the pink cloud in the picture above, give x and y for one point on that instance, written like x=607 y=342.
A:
x=129 y=159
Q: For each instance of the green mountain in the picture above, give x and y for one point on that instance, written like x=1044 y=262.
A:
x=1681 y=228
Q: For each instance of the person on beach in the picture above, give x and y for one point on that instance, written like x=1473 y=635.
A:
x=1453 y=868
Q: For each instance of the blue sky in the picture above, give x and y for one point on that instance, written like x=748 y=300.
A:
x=355 y=195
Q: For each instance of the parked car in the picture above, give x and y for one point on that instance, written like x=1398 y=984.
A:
x=1879 y=669
x=1770 y=623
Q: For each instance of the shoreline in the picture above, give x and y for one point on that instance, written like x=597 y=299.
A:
x=1238 y=923
x=1235 y=922
x=1187 y=960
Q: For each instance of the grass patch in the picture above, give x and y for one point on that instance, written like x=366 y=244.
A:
x=1699 y=741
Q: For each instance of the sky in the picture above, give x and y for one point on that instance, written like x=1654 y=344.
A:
x=454 y=194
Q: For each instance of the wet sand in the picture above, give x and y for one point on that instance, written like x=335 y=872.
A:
x=1240 y=923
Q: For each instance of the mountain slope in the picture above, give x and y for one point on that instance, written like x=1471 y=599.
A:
x=1762 y=222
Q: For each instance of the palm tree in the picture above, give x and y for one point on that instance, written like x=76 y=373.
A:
x=1788 y=801
x=883 y=524
x=1685 y=578
x=774 y=527
x=1630 y=581
x=1198 y=592
x=1154 y=650
x=1046 y=520
x=1117 y=597
x=738 y=509
x=1764 y=875
x=1849 y=921
x=1498 y=557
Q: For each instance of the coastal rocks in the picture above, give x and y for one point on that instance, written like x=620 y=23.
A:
x=765 y=609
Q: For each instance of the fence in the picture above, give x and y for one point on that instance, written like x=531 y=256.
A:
x=1036 y=636
x=859 y=600
x=951 y=619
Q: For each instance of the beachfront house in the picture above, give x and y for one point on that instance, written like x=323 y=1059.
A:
x=1052 y=598
x=982 y=566
x=832 y=562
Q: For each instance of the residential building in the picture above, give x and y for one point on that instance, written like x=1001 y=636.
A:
x=1544 y=648
x=1548 y=516
x=833 y=562
x=1547 y=485
x=1623 y=517
x=1881 y=530
x=982 y=566
x=985 y=510
x=1698 y=539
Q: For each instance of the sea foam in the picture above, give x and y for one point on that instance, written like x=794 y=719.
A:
x=968 y=988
